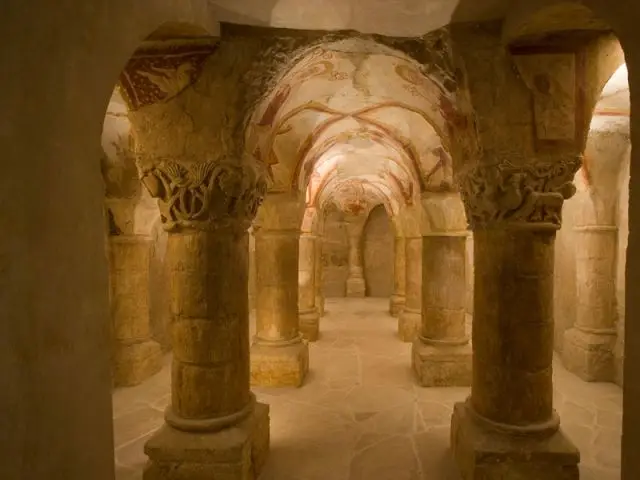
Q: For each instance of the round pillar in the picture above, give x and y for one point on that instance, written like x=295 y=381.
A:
x=588 y=347
x=397 y=300
x=410 y=319
x=279 y=355
x=136 y=355
x=513 y=328
x=207 y=261
x=308 y=312
x=514 y=212
x=210 y=331
x=441 y=354
x=317 y=263
x=355 y=280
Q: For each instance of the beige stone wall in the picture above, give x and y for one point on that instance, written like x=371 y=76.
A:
x=378 y=253
x=623 y=240
x=565 y=270
x=577 y=211
x=159 y=289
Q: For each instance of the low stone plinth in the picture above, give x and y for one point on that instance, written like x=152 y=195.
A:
x=482 y=453
x=235 y=453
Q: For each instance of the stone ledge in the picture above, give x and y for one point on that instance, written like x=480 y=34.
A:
x=481 y=454
x=441 y=366
x=279 y=366
x=236 y=453
x=135 y=362
x=589 y=355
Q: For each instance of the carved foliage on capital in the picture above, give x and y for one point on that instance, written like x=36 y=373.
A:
x=205 y=195
x=527 y=195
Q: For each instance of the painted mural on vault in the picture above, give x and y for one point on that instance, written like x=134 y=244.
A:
x=352 y=86
x=160 y=71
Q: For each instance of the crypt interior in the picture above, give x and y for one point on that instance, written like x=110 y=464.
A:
x=332 y=242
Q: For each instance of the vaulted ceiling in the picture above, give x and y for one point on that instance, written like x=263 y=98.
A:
x=354 y=109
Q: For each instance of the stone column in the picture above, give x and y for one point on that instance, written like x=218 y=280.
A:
x=508 y=428
x=441 y=354
x=397 y=300
x=279 y=355
x=355 y=280
x=214 y=427
x=317 y=264
x=308 y=312
x=588 y=346
x=410 y=319
x=135 y=355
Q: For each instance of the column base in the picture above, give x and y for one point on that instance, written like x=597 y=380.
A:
x=441 y=365
x=409 y=324
x=310 y=324
x=396 y=305
x=356 y=287
x=235 y=453
x=589 y=355
x=279 y=365
x=483 y=454
x=135 y=362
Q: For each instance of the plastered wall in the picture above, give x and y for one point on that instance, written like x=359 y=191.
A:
x=378 y=254
x=577 y=211
x=335 y=255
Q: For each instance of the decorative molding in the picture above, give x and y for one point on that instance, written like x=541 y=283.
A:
x=205 y=195
x=526 y=196
x=158 y=71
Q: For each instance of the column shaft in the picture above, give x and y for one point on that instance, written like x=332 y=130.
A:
x=397 y=300
x=513 y=327
x=443 y=288
x=355 y=281
x=279 y=356
x=277 y=286
x=318 y=269
x=441 y=353
x=588 y=346
x=595 y=270
x=210 y=332
x=410 y=319
x=309 y=316
x=136 y=356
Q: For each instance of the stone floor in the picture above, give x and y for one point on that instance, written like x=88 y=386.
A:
x=360 y=414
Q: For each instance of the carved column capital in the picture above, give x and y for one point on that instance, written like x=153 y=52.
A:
x=531 y=195
x=205 y=195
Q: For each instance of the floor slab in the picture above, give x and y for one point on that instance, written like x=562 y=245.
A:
x=361 y=415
